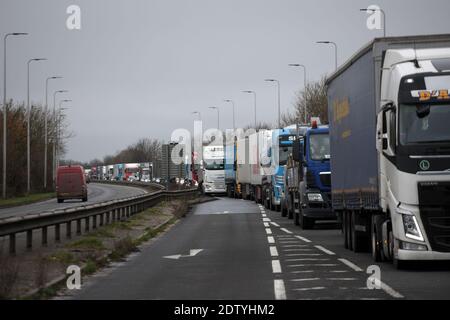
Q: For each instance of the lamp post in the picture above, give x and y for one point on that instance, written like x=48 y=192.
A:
x=254 y=102
x=234 y=119
x=58 y=134
x=54 y=138
x=279 y=99
x=384 y=17
x=29 y=124
x=335 y=51
x=218 y=116
x=304 y=85
x=5 y=109
x=46 y=129
x=198 y=114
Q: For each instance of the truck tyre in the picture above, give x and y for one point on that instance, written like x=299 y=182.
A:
x=284 y=209
x=305 y=222
x=347 y=230
x=376 y=238
x=278 y=208
x=85 y=199
x=60 y=200
x=359 y=241
x=291 y=207
x=296 y=219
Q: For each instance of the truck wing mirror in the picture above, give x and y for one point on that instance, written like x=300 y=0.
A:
x=422 y=110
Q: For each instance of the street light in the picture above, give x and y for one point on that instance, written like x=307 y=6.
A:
x=335 y=51
x=28 y=124
x=58 y=132
x=218 y=116
x=55 y=120
x=384 y=17
x=232 y=102
x=304 y=83
x=254 y=101
x=198 y=114
x=46 y=128
x=5 y=111
x=279 y=98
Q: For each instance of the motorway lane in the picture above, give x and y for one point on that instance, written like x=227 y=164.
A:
x=248 y=252
x=96 y=193
x=425 y=281
x=234 y=262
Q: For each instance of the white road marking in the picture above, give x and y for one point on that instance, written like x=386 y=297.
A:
x=338 y=271
x=266 y=219
x=390 y=291
x=266 y=224
x=276 y=266
x=313 y=265
x=280 y=291
x=342 y=279
x=331 y=253
x=307 y=289
x=305 y=279
x=273 y=251
x=285 y=230
x=275 y=224
x=268 y=231
x=305 y=254
x=284 y=236
x=288 y=241
x=302 y=271
x=263 y=211
x=296 y=249
x=303 y=239
x=350 y=264
x=270 y=239
x=192 y=253
x=294 y=245
x=264 y=215
x=307 y=259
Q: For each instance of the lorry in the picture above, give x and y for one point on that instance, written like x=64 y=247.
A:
x=213 y=169
x=273 y=183
x=389 y=112
x=131 y=172
x=308 y=184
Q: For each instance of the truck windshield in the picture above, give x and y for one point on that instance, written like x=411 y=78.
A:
x=434 y=127
x=214 y=164
x=319 y=146
x=284 y=154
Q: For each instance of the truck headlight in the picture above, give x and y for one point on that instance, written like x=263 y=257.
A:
x=315 y=197
x=411 y=227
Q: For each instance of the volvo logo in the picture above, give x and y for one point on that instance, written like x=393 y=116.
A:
x=424 y=165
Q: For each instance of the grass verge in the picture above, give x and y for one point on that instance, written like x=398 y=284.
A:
x=32 y=198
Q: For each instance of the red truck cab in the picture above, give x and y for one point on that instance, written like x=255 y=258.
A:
x=71 y=183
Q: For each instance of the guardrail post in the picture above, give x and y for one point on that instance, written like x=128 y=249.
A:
x=44 y=237
x=78 y=227
x=12 y=243
x=57 y=232
x=108 y=217
x=86 y=224
x=69 y=230
x=29 y=239
x=94 y=221
x=101 y=218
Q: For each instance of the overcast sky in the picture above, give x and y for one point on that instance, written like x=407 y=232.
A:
x=138 y=68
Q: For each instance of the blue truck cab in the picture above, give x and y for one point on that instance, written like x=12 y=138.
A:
x=314 y=175
x=273 y=185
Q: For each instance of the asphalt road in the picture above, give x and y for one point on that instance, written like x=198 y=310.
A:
x=96 y=193
x=248 y=252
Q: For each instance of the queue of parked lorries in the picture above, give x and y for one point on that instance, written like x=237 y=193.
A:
x=381 y=167
x=122 y=172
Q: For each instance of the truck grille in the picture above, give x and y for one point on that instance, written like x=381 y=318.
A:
x=325 y=179
x=434 y=202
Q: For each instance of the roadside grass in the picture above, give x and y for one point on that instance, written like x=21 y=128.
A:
x=89 y=242
x=19 y=201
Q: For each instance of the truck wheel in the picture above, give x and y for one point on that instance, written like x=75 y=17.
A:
x=305 y=222
x=296 y=219
x=60 y=200
x=85 y=199
x=284 y=210
x=347 y=230
x=376 y=237
x=359 y=242
x=291 y=208
x=278 y=208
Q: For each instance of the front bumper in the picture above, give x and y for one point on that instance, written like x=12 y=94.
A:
x=319 y=213
x=422 y=255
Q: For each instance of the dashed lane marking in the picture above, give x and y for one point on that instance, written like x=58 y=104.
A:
x=276 y=266
x=266 y=219
x=273 y=251
x=270 y=239
x=331 y=253
x=280 y=291
x=266 y=224
x=275 y=224
x=268 y=231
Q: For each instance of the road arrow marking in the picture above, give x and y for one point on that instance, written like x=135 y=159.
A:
x=192 y=253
